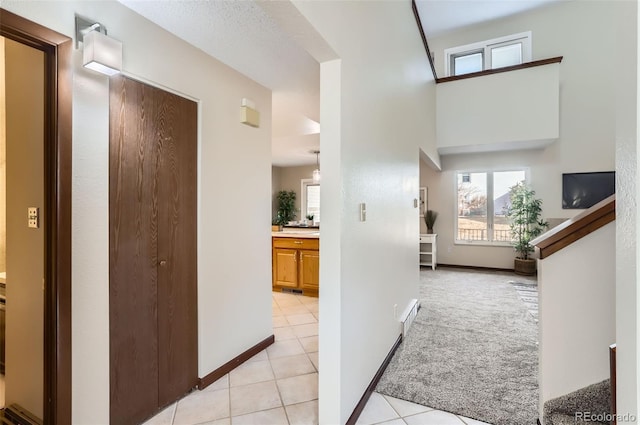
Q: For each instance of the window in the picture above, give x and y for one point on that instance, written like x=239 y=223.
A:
x=310 y=199
x=490 y=54
x=482 y=200
x=466 y=63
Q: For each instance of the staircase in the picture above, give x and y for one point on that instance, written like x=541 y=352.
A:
x=576 y=283
x=590 y=405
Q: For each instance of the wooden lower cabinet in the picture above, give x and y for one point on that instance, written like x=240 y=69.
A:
x=296 y=265
x=285 y=267
x=309 y=270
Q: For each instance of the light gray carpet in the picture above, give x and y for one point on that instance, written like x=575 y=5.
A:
x=528 y=293
x=472 y=350
x=594 y=400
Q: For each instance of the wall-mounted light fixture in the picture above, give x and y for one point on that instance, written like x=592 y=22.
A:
x=316 y=172
x=249 y=115
x=100 y=52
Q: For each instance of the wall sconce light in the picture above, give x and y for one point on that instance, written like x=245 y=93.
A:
x=316 y=172
x=100 y=52
x=249 y=115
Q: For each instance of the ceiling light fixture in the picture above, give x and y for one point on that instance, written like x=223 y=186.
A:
x=100 y=52
x=316 y=172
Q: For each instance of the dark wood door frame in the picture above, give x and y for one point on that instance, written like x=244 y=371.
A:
x=57 y=170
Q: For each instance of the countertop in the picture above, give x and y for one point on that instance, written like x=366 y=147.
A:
x=296 y=234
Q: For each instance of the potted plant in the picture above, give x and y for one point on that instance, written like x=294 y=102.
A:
x=525 y=223
x=286 y=207
x=430 y=219
x=309 y=219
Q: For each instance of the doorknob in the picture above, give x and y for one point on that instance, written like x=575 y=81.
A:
x=163 y=263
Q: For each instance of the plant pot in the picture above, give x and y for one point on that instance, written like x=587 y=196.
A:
x=524 y=267
x=276 y=228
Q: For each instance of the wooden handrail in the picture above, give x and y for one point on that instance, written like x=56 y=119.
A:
x=414 y=7
x=525 y=65
x=416 y=14
x=576 y=228
x=612 y=374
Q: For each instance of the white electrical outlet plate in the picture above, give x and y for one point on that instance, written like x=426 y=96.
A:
x=33 y=217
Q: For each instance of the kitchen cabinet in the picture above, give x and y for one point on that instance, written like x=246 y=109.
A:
x=296 y=265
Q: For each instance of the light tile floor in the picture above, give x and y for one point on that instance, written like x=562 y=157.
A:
x=279 y=386
x=385 y=410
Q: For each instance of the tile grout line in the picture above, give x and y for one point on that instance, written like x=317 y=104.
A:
x=275 y=378
x=286 y=414
x=297 y=338
x=175 y=410
x=275 y=381
x=392 y=408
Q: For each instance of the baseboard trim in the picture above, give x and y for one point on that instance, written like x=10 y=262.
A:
x=372 y=385
x=479 y=268
x=212 y=377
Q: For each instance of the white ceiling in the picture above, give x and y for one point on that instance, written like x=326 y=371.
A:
x=244 y=36
x=442 y=16
x=248 y=36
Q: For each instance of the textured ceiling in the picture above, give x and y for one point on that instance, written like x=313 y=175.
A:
x=243 y=35
x=269 y=42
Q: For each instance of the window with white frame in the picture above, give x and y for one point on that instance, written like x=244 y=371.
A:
x=483 y=198
x=490 y=54
x=310 y=199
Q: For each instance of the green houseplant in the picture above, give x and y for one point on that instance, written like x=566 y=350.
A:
x=525 y=224
x=286 y=207
x=430 y=219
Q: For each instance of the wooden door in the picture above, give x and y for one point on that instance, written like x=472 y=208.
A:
x=285 y=267
x=310 y=269
x=177 y=249
x=152 y=244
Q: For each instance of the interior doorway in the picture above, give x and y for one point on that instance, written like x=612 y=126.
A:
x=23 y=223
x=55 y=212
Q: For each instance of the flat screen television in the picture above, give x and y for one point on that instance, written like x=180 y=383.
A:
x=583 y=190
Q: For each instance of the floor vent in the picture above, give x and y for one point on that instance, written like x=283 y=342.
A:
x=17 y=415
x=409 y=315
x=292 y=291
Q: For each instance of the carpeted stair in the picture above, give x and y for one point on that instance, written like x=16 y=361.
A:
x=592 y=401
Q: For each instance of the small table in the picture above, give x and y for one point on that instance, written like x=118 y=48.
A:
x=428 y=250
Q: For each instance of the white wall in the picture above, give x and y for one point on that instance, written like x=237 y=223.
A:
x=442 y=198
x=509 y=110
x=229 y=322
x=627 y=217
x=375 y=113
x=577 y=314
x=587 y=113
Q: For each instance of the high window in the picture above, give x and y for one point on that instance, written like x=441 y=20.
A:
x=482 y=201
x=490 y=54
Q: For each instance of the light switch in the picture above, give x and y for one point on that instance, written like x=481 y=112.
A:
x=415 y=203
x=363 y=212
x=33 y=217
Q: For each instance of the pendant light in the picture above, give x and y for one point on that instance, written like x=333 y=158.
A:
x=316 y=172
